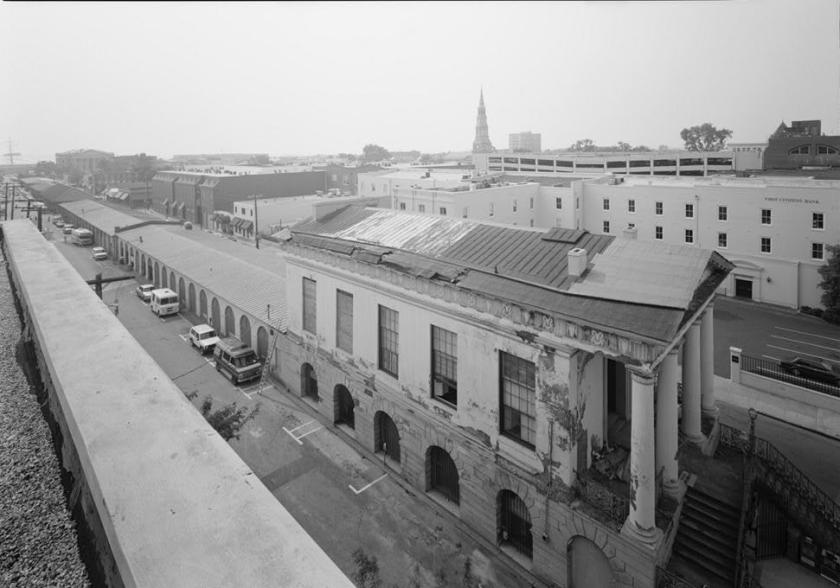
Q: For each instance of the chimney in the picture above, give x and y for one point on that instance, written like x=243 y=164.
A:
x=577 y=262
x=630 y=232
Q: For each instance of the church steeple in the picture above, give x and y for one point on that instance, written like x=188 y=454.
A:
x=482 y=142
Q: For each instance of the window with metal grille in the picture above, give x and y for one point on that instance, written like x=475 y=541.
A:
x=344 y=321
x=766 y=216
x=765 y=244
x=388 y=343
x=631 y=206
x=443 y=210
x=658 y=233
x=309 y=305
x=658 y=208
x=558 y=203
x=816 y=250
x=402 y=205
x=721 y=239
x=606 y=203
x=817 y=221
x=518 y=399
x=606 y=226
x=723 y=213
x=689 y=235
x=514 y=523
x=689 y=211
x=445 y=365
x=443 y=474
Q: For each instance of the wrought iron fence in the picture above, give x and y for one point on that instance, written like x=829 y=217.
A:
x=604 y=499
x=772 y=369
x=666 y=579
x=734 y=438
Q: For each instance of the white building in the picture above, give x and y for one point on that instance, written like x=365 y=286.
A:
x=401 y=181
x=527 y=142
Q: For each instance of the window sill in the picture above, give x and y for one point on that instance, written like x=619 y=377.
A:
x=519 y=455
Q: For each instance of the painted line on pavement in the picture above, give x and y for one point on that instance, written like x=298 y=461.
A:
x=298 y=438
x=803 y=353
x=300 y=426
x=183 y=337
x=771 y=357
x=309 y=432
x=809 y=334
x=803 y=342
x=363 y=488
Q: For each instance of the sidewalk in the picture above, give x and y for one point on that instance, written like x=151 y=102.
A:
x=783 y=573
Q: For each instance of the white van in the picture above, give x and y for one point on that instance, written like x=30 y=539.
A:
x=164 y=302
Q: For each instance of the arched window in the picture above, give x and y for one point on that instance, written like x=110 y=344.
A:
x=262 y=343
x=827 y=150
x=344 y=407
x=202 y=305
x=182 y=292
x=441 y=474
x=308 y=382
x=216 y=317
x=245 y=330
x=800 y=150
x=386 y=436
x=230 y=324
x=191 y=297
x=514 y=523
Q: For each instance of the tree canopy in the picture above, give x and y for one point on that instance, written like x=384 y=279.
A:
x=705 y=137
x=830 y=284
x=589 y=145
x=372 y=152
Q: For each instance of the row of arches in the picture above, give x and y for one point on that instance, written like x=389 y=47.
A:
x=513 y=520
x=224 y=322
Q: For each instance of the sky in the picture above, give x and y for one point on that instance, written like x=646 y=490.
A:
x=309 y=77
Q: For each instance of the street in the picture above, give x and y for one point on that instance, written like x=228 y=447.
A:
x=343 y=500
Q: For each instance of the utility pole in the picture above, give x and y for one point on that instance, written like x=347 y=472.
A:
x=256 y=224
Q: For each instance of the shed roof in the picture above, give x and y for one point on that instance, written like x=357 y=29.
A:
x=100 y=216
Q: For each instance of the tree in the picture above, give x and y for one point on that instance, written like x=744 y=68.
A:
x=622 y=146
x=144 y=168
x=228 y=420
x=367 y=570
x=583 y=145
x=705 y=137
x=46 y=169
x=830 y=284
x=373 y=152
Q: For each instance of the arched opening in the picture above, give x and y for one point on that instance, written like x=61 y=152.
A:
x=163 y=278
x=442 y=475
x=513 y=523
x=191 y=297
x=386 y=436
x=202 y=305
x=182 y=292
x=157 y=274
x=149 y=268
x=143 y=265
x=308 y=382
x=587 y=564
x=245 y=330
x=230 y=324
x=172 y=280
x=344 y=407
x=262 y=343
x=216 y=316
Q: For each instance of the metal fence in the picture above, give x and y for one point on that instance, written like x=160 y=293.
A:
x=771 y=369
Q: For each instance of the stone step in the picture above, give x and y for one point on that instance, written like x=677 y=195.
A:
x=725 y=545
x=698 y=552
x=725 y=525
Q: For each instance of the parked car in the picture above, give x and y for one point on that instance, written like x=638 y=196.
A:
x=237 y=360
x=99 y=253
x=58 y=221
x=144 y=292
x=203 y=338
x=67 y=229
x=813 y=369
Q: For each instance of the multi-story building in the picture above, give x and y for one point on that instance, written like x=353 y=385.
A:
x=747 y=156
x=525 y=142
x=492 y=366
x=83 y=160
x=801 y=144
x=402 y=181
x=344 y=178
x=196 y=196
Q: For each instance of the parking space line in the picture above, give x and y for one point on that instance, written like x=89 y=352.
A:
x=365 y=487
x=803 y=342
x=300 y=426
x=309 y=433
x=809 y=334
x=803 y=353
x=183 y=337
x=298 y=438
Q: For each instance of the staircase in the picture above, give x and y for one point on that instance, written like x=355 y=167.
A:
x=708 y=535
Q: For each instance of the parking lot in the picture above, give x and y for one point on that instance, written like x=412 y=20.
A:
x=344 y=500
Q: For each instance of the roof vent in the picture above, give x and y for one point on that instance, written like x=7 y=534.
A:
x=577 y=262
x=630 y=232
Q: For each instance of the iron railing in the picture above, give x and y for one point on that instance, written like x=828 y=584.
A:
x=772 y=369
x=616 y=507
x=667 y=579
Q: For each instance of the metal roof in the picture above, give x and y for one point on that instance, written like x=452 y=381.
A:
x=227 y=270
x=100 y=216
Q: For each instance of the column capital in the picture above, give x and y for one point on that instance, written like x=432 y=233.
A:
x=641 y=375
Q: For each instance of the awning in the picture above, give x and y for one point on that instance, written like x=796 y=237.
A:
x=246 y=224
x=179 y=207
x=165 y=203
x=237 y=222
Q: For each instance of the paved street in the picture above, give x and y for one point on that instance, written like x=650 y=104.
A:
x=771 y=333
x=310 y=467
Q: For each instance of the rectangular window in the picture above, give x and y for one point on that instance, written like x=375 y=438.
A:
x=518 y=399
x=421 y=207
x=766 y=216
x=344 y=321
x=658 y=233
x=816 y=250
x=606 y=203
x=402 y=205
x=515 y=205
x=689 y=236
x=723 y=213
x=606 y=226
x=631 y=206
x=689 y=211
x=443 y=210
x=721 y=239
x=659 y=208
x=444 y=365
x=309 y=305
x=558 y=203
x=765 y=245
x=389 y=328
x=817 y=221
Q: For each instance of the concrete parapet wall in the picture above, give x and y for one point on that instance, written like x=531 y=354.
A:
x=166 y=500
x=800 y=406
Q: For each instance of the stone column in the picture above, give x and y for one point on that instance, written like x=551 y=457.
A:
x=641 y=523
x=691 y=385
x=707 y=362
x=667 y=432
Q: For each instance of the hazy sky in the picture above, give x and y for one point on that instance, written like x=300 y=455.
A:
x=303 y=78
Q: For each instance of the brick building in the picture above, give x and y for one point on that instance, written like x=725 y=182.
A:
x=801 y=144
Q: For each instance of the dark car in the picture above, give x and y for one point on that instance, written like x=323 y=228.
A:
x=813 y=369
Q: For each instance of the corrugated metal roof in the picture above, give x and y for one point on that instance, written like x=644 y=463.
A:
x=660 y=274
x=100 y=216
x=232 y=277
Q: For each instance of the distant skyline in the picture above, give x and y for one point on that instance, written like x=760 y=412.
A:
x=309 y=77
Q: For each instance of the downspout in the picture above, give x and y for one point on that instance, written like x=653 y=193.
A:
x=545 y=536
